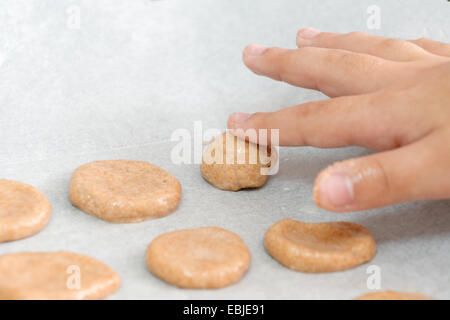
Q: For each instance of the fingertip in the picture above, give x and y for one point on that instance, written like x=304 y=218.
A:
x=334 y=189
x=253 y=49
x=250 y=53
x=297 y=38
x=237 y=119
x=305 y=36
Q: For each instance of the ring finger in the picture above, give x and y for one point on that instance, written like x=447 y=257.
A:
x=334 y=72
x=386 y=48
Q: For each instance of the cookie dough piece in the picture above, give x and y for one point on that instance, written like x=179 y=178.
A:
x=207 y=257
x=236 y=170
x=24 y=210
x=319 y=247
x=55 y=275
x=124 y=191
x=392 y=295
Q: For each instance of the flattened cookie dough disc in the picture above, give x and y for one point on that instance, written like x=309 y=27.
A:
x=206 y=257
x=229 y=163
x=319 y=247
x=392 y=295
x=124 y=191
x=24 y=210
x=55 y=275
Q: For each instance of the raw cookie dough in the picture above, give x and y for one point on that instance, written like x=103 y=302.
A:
x=221 y=168
x=392 y=295
x=24 y=210
x=55 y=275
x=124 y=191
x=319 y=247
x=207 y=257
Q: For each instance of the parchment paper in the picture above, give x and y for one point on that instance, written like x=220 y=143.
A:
x=117 y=84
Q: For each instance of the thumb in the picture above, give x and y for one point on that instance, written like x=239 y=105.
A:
x=414 y=172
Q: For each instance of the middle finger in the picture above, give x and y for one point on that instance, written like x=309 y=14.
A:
x=332 y=71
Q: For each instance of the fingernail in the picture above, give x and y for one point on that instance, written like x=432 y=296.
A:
x=254 y=49
x=309 y=33
x=306 y=35
x=239 y=117
x=335 y=189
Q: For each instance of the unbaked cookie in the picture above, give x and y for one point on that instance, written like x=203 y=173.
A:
x=207 y=257
x=392 y=295
x=124 y=191
x=55 y=275
x=24 y=210
x=229 y=163
x=319 y=247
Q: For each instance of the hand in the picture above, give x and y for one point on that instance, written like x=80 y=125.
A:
x=389 y=95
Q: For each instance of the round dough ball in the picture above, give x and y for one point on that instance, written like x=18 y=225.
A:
x=392 y=295
x=55 y=275
x=207 y=257
x=124 y=191
x=319 y=247
x=24 y=210
x=228 y=170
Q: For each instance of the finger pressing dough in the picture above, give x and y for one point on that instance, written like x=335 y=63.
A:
x=229 y=163
x=24 y=210
x=55 y=275
x=319 y=247
x=124 y=191
x=207 y=257
x=392 y=295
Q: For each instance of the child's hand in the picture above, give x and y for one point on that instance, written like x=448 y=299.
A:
x=390 y=95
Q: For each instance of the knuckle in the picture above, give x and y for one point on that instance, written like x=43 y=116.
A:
x=422 y=40
x=355 y=62
x=356 y=35
x=338 y=57
x=369 y=64
x=394 y=44
x=345 y=57
x=303 y=113
x=389 y=43
x=383 y=176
